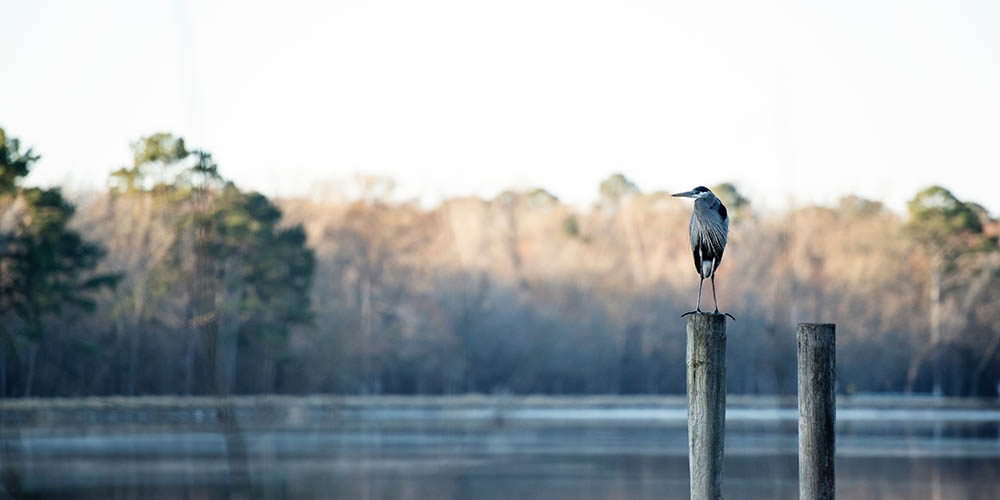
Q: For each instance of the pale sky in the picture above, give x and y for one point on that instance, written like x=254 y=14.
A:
x=801 y=101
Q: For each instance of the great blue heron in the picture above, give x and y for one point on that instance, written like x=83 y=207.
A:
x=709 y=231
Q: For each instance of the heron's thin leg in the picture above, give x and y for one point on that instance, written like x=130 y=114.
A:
x=700 y=282
x=713 y=295
x=697 y=309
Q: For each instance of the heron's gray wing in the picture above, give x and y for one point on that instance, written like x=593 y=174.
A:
x=718 y=258
x=695 y=236
x=720 y=236
x=709 y=229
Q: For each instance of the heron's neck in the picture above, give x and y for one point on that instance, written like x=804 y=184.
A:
x=709 y=201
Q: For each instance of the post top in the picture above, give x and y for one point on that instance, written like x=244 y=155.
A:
x=706 y=314
x=710 y=320
x=817 y=325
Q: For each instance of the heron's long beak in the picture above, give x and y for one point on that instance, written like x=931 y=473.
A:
x=686 y=194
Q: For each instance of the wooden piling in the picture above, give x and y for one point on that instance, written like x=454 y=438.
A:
x=706 y=389
x=817 y=409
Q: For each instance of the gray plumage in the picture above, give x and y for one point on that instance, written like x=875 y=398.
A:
x=709 y=231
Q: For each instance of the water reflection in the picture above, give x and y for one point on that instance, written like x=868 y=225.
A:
x=418 y=453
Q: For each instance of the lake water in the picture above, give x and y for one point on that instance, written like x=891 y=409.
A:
x=483 y=451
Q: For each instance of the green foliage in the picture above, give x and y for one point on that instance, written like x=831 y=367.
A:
x=45 y=264
x=160 y=148
x=571 y=227
x=615 y=187
x=939 y=219
x=13 y=163
x=229 y=257
x=163 y=164
x=541 y=198
x=275 y=265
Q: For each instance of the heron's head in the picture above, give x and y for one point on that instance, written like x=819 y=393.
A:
x=698 y=192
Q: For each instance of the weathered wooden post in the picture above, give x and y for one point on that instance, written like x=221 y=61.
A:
x=706 y=389
x=817 y=409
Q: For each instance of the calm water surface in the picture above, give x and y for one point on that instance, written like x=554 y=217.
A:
x=481 y=453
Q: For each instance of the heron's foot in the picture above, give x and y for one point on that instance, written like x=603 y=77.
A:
x=727 y=314
x=703 y=312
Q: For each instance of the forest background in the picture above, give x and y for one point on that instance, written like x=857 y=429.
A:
x=176 y=281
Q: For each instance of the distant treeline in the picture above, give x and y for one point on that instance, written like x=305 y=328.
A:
x=176 y=281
